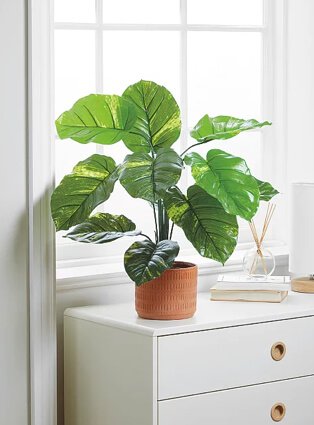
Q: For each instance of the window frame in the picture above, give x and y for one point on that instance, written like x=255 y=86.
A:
x=272 y=96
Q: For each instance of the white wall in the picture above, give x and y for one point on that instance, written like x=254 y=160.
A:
x=300 y=93
x=14 y=403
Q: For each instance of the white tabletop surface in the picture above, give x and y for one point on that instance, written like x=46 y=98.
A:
x=209 y=315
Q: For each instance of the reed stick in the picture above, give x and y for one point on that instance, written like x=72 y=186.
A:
x=259 y=240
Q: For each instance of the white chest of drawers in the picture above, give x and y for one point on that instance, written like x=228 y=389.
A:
x=233 y=363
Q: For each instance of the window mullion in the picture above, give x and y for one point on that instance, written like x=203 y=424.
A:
x=267 y=94
x=99 y=84
x=158 y=27
x=99 y=56
x=184 y=82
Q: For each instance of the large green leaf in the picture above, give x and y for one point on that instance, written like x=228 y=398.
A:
x=102 y=228
x=90 y=184
x=97 y=118
x=211 y=230
x=148 y=178
x=266 y=190
x=222 y=127
x=228 y=179
x=144 y=260
x=158 y=121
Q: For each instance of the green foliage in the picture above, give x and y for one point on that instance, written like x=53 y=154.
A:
x=97 y=118
x=145 y=260
x=211 y=230
x=146 y=118
x=266 y=191
x=79 y=193
x=228 y=179
x=158 y=123
x=222 y=127
x=103 y=228
x=147 y=177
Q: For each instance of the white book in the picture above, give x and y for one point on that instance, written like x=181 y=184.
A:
x=230 y=277
x=253 y=286
x=248 y=296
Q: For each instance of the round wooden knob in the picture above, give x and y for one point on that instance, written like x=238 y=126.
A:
x=278 y=412
x=278 y=351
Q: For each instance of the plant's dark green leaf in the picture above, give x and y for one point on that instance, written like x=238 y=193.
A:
x=103 y=228
x=97 y=118
x=222 y=127
x=266 y=190
x=79 y=193
x=144 y=260
x=148 y=178
x=211 y=230
x=228 y=179
x=158 y=121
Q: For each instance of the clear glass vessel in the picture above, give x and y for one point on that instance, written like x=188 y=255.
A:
x=259 y=263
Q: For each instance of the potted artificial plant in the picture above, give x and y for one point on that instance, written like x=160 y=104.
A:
x=146 y=118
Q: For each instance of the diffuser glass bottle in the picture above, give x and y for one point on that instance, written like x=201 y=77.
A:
x=259 y=262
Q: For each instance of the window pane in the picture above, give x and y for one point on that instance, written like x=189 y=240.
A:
x=74 y=67
x=68 y=153
x=74 y=78
x=130 y=56
x=225 y=12
x=142 y=11
x=74 y=10
x=224 y=75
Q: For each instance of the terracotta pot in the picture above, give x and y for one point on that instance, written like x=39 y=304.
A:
x=171 y=296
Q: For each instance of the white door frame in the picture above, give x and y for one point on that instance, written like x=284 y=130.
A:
x=42 y=308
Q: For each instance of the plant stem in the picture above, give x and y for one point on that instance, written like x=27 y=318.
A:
x=192 y=146
x=163 y=221
x=156 y=225
x=160 y=221
x=166 y=223
x=171 y=231
x=145 y=236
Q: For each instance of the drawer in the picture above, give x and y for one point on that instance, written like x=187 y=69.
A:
x=289 y=402
x=200 y=362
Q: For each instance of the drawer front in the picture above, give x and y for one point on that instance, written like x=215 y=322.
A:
x=200 y=362
x=287 y=402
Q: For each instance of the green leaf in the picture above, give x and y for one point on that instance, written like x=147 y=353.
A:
x=222 y=127
x=266 y=190
x=148 y=178
x=228 y=179
x=211 y=230
x=144 y=260
x=158 y=121
x=103 y=228
x=97 y=118
x=79 y=193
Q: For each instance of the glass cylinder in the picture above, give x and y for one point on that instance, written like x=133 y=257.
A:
x=259 y=263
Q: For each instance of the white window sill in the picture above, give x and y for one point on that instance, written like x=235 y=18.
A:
x=91 y=273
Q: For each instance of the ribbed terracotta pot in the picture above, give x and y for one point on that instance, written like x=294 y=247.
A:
x=171 y=296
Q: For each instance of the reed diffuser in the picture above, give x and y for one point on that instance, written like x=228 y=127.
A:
x=259 y=262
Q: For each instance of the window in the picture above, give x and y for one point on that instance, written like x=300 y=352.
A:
x=215 y=56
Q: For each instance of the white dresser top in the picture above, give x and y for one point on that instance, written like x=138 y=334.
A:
x=209 y=315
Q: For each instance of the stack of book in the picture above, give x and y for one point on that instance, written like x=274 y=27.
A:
x=229 y=287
